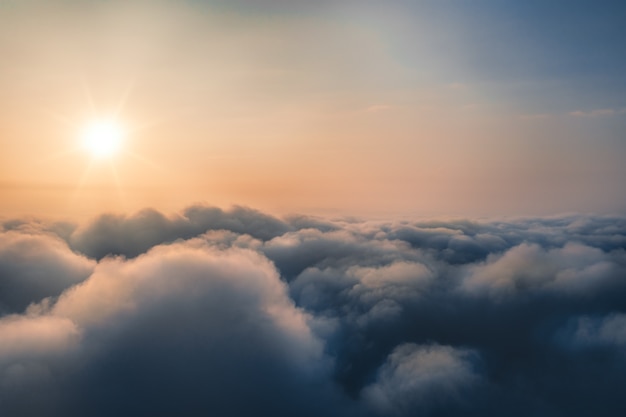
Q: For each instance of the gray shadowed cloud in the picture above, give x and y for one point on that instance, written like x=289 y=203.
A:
x=422 y=378
x=237 y=312
x=34 y=266
x=184 y=327
x=133 y=235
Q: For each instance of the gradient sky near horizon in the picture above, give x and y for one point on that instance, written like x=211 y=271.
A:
x=352 y=107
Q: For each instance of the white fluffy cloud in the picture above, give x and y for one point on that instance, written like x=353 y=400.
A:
x=34 y=265
x=422 y=378
x=600 y=331
x=239 y=313
x=573 y=268
x=224 y=312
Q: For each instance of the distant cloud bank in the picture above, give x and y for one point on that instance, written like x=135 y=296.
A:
x=238 y=313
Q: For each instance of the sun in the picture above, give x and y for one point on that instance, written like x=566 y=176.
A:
x=102 y=138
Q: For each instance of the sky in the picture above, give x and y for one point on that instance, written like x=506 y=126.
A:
x=312 y=208
x=331 y=107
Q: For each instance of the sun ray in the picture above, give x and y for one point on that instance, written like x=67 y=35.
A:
x=101 y=136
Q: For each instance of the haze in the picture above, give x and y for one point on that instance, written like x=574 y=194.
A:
x=351 y=108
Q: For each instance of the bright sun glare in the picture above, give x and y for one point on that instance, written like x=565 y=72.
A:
x=102 y=138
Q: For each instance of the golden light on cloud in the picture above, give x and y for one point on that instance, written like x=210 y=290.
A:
x=102 y=138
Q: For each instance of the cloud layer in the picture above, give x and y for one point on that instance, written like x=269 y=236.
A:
x=237 y=312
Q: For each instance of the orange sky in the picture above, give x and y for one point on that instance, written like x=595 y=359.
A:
x=288 y=113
